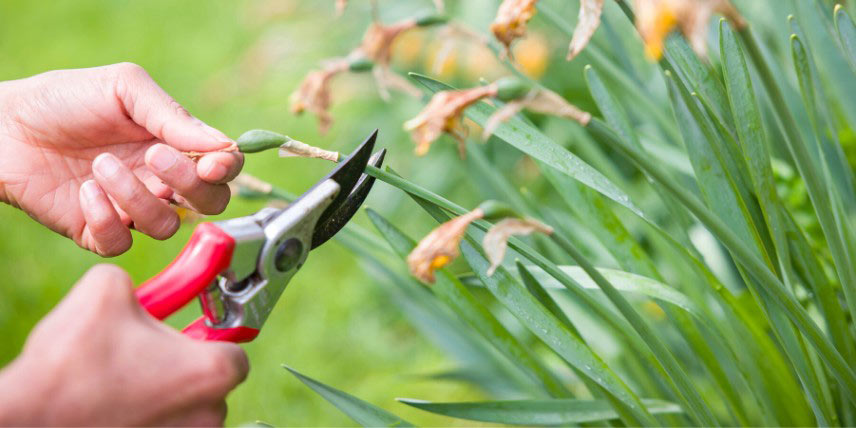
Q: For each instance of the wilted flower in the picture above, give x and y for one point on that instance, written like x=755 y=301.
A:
x=656 y=18
x=539 y=100
x=511 y=19
x=443 y=115
x=495 y=241
x=440 y=246
x=314 y=93
x=589 y=20
x=340 y=7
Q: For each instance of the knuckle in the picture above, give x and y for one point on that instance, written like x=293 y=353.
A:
x=130 y=69
x=110 y=287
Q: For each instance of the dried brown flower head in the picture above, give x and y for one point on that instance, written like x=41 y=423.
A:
x=655 y=19
x=377 y=46
x=495 y=241
x=340 y=7
x=511 y=19
x=589 y=20
x=440 y=246
x=313 y=94
x=443 y=115
x=539 y=100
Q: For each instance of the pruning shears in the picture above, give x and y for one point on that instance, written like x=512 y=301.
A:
x=239 y=267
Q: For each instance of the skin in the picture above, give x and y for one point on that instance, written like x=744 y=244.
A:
x=91 y=154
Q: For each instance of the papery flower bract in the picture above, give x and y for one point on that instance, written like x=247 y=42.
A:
x=440 y=247
x=443 y=115
x=313 y=94
x=246 y=184
x=377 y=46
x=511 y=19
x=589 y=20
x=294 y=148
x=655 y=19
x=540 y=101
x=495 y=241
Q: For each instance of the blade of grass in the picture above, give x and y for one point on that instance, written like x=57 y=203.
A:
x=463 y=303
x=846 y=34
x=535 y=412
x=360 y=411
x=743 y=255
x=531 y=141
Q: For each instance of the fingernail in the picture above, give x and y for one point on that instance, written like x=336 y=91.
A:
x=217 y=135
x=162 y=159
x=215 y=171
x=90 y=191
x=107 y=165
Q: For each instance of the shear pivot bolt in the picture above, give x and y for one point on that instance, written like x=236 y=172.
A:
x=288 y=254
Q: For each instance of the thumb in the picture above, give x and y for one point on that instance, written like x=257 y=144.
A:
x=152 y=108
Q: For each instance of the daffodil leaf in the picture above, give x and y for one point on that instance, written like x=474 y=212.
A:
x=363 y=413
x=536 y=412
x=531 y=141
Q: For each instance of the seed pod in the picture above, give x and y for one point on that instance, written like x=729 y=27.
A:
x=431 y=20
x=258 y=140
x=360 y=64
x=495 y=210
x=511 y=88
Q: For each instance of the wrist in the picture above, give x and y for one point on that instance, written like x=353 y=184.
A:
x=21 y=401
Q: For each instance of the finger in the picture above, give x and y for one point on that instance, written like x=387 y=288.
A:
x=179 y=172
x=229 y=362
x=151 y=215
x=220 y=167
x=205 y=416
x=151 y=107
x=158 y=188
x=104 y=232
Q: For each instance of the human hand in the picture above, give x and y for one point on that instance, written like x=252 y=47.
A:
x=99 y=359
x=92 y=152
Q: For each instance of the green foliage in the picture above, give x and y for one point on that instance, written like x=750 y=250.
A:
x=753 y=318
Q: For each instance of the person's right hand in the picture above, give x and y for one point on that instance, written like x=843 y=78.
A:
x=99 y=359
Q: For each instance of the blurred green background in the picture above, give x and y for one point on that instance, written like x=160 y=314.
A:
x=233 y=64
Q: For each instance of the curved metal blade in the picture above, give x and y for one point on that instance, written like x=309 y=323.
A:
x=327 y=229
x=346 y=174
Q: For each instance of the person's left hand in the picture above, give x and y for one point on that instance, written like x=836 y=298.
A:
x=93 y=152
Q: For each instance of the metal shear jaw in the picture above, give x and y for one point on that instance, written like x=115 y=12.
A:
x=272 y=245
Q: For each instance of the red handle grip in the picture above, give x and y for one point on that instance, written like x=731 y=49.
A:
x=207 y=254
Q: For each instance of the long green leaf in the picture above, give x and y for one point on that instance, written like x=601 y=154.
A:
x=365 y=414
x=535 y=412
x=531 y=141
x=846 y=34
x=743 y=255
x=623 y=281
x=465 y=305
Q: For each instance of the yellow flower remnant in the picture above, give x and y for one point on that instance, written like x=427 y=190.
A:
x=313 y=94
x=511 y=19
x=443 y=115
x=495 y=241
x=655 y=19
x=440 y=247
